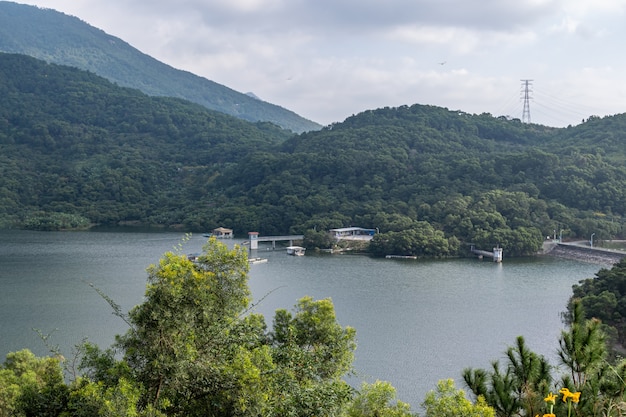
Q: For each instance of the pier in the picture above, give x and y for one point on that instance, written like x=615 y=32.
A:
x=255 y=239
x=496 y=254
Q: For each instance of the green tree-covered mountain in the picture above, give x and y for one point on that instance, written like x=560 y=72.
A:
x=55 y=37
x=77 y=148
x=476 y=178
x=74 y=143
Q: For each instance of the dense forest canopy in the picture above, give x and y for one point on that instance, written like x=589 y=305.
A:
x=56 y=37
x=74 y=143
x=79 y=150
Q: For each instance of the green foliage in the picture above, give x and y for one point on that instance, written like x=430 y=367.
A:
x=604 y=298
x=88 y=399
x=378 y=400
x=54 y=221
x=195 y=349
x=582 y=348
x=312 y=353
x=583 y=351
x=79 y=150
x=516 y=389
x=31 y=386
x=447 y=401
x=391 y=168
x=314 y=239
x=323 y=347
x=187 y=335
x=420 y=240
x=524 y=386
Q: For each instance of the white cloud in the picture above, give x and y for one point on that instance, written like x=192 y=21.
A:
x=328 y=59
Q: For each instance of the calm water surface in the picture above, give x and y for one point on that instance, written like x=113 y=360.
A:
x=417 y=321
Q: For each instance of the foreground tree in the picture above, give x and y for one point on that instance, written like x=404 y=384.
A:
x=378 y=400
x=31 y=386
x=188 y=333
x=583 y=351
x=516 y=389
x=588 y=384
x=312 y=353
x=604 y=297
x=447 y=401
x=196 y=349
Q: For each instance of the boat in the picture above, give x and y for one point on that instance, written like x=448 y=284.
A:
x=193 y=257
x=257 y=260
x=295 y=250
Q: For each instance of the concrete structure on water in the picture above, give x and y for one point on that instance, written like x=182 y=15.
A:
x=254 y=239
x=496 y=254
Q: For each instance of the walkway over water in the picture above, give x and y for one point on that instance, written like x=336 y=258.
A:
x=255 y=239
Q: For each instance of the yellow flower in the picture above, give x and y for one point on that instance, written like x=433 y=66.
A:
x=566 y=394
x=575 y=397
x=548 y=415
x=551 y=398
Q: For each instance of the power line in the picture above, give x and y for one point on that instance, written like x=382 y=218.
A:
x=551 y=107
x=526 y=90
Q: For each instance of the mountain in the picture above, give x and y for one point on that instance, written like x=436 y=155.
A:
x=55 y=37
x=77 y=149
x=76 y=145
x=477 y=178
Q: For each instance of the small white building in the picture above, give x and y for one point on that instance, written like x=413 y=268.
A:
x=223 y=233
x=353 y=233
x=254 y=240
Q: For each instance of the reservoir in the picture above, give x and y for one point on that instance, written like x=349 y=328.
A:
x=416 y=321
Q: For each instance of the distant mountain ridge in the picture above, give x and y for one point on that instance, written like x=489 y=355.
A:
x=59 y=38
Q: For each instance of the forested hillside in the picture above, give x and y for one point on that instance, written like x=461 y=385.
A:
x=77 y=149
x=55 y=37
x=432 y=176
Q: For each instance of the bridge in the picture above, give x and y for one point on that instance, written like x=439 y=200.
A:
x=255 y=239
x=496 y=254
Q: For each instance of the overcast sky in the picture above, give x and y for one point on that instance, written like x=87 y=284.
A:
x=329 y=59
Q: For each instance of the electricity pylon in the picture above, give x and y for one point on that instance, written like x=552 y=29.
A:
x=526 y=90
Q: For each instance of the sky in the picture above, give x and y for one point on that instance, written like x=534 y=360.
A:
x=329 y=59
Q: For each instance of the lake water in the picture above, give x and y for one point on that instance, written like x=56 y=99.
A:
x=417 y=321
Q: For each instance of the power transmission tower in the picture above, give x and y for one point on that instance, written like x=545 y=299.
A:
x=526 y=91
